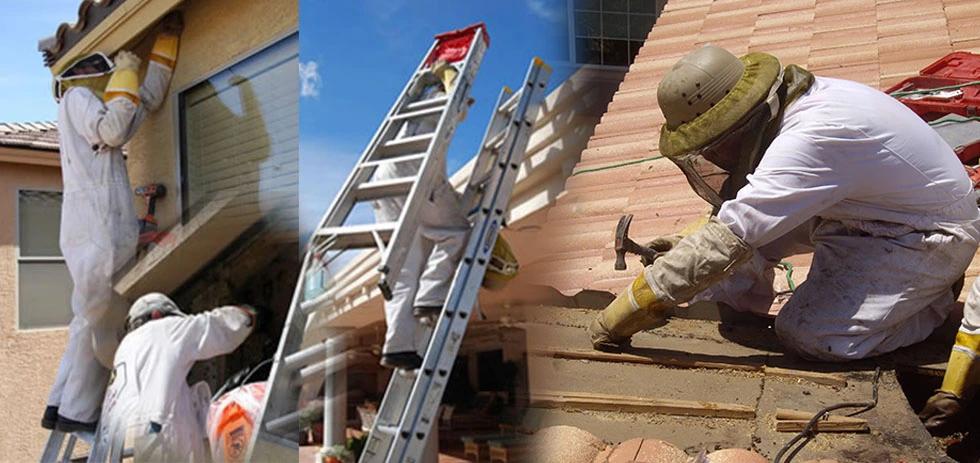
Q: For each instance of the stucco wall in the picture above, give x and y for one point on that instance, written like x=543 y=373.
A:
x=28 y=359
x=216 y=34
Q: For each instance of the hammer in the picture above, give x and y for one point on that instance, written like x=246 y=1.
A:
x=624 y=244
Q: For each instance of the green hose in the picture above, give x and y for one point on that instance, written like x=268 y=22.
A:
x=613 y=166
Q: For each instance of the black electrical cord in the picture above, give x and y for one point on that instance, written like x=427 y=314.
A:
x=809 y=431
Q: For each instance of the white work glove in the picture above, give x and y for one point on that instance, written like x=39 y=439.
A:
x=126 y=60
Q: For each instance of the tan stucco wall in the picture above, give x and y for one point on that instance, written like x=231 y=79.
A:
x=216 y=34
x=28 y=359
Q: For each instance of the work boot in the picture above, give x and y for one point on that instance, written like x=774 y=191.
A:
x=401 y=360
x=67 y=425
x=427 y=315
x=50 y=418
x=941 y=413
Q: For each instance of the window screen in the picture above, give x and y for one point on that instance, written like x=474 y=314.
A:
x=611 y=32
x=239 y=135
x=44 y=285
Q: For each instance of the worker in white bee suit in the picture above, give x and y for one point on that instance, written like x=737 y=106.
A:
x=945 y=409
x=419 y=291
x=795 y=163
x=149 y=407
x=100 y=106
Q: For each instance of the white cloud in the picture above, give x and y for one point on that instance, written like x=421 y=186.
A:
x=309 y=78
x=545 y=10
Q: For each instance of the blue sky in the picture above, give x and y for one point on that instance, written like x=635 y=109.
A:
x=365 y=51
x=25 y=84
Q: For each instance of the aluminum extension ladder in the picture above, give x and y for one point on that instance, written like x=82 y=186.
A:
x=411 y=403
x=276 y=433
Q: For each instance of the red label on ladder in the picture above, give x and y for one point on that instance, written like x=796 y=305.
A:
x=453 y=45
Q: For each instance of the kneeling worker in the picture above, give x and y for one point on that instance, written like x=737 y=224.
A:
x=795 y=163
x=149 y=407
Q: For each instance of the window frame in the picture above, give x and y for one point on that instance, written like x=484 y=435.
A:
x=32 y=259
x=179 y=138
x=573 y=35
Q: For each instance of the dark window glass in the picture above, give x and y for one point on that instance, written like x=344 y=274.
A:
x=643 y=6
x=588 y=51
x=587 y=24
x=614 y=25
x=615 y=53
x=615 y=5
x=587 y=5
x=640 y=26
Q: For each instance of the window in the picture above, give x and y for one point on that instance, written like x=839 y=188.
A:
x=239 y=135
x=610 y=32
x=43 y=283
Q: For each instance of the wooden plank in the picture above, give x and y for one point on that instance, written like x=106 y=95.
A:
x=829 y=379
x=665 y=360
x=560 y=399
x=821 y=426
x=790 y=414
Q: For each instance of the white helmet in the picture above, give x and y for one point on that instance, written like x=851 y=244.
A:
x=150 y=307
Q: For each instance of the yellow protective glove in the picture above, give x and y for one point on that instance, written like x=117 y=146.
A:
x=125 y=82
x=695 y=263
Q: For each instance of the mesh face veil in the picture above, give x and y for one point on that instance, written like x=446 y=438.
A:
x=718 y=170
x=91 y=71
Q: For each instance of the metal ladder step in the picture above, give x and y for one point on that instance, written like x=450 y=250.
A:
x=429 y=111
x=413 y=144
x=393 y=159
x=358 y=236
x=384 y=188
x=417 y=105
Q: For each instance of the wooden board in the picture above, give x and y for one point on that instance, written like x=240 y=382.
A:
x=828 y=379
x=822 y=426
x=560 y=399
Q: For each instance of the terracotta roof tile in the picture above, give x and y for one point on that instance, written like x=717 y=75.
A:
x=876 y=42
x=31 y=135
x=90 y=14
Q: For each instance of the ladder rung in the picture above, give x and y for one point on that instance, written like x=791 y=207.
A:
x=331 y=365
x=413 y=144
x=427 y=103
x=358 y=236
x=385 y=188
x=511 y=102
x=394 y=159
x=420 y=113
x=496 y=141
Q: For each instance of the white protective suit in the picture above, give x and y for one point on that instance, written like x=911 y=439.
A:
x=883 y=203
x=99 y=227
x=427 y=273
x=149 y=406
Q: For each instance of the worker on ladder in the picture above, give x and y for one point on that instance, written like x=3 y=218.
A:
x=101 y=105
x=148 y=406
x=794 y=163
x=419 y=292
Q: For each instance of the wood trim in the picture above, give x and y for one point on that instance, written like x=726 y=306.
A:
x=680 y=361
x=126 y=22
x=560 y=399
